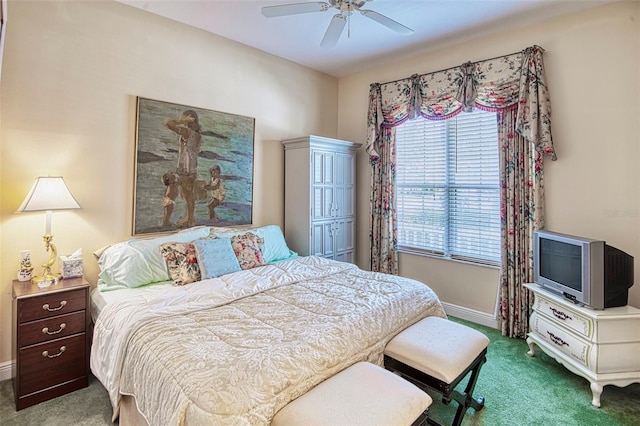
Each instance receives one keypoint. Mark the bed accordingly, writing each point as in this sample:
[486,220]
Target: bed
[236,348]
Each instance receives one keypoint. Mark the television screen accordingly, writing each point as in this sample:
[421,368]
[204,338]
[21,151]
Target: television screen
[561,262]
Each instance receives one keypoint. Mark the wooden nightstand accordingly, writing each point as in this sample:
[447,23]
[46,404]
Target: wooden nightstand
[51,340]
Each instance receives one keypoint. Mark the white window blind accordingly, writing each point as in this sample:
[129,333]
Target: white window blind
[447,187]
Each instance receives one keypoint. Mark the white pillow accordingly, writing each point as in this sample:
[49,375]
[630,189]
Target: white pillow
[138,262]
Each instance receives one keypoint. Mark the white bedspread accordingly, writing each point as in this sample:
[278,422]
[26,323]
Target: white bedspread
[236,349]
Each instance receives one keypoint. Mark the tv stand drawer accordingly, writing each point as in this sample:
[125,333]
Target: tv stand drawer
[563,340]
[565,316]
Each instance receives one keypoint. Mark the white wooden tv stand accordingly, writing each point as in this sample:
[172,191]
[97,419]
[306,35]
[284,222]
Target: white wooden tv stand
[601,346]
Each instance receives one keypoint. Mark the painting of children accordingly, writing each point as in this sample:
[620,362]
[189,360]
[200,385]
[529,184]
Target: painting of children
[193,167]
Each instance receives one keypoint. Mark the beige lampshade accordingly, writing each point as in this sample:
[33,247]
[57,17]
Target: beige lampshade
[48,193]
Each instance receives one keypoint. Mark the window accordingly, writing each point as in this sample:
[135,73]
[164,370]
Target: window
[447,187]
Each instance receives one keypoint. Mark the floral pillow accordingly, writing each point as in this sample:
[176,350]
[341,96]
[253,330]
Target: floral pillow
[182,262]
[247,250]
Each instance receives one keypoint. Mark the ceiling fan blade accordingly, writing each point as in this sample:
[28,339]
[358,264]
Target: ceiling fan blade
[294,9]
[387,22]
[334,31]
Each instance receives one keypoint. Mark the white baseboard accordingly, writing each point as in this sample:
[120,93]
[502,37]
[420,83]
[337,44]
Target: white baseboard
[6,369]
[467,314]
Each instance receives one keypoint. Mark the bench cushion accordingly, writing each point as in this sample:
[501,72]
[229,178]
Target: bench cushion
[438,347]
[363,394]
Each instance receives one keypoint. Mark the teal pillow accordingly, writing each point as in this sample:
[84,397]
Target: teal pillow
[275,247]
[215,257]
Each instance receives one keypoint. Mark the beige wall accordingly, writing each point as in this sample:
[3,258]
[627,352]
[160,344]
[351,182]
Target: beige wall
[71,72]
[592,63]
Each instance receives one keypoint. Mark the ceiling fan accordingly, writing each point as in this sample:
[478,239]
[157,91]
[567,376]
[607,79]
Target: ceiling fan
[339,20]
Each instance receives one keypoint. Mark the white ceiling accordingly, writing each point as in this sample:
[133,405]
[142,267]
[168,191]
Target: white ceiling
[297,37]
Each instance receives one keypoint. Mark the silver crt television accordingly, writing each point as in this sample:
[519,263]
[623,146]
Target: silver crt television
[583,270]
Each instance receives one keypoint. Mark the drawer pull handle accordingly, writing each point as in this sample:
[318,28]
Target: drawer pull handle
[46,353]
[47,308]
[555,339]
[560,315]
[46,329]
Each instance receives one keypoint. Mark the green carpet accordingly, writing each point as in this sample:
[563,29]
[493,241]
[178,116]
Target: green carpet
[518,391]
[521,390]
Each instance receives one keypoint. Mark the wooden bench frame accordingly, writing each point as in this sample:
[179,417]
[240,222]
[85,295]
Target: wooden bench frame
[464,399]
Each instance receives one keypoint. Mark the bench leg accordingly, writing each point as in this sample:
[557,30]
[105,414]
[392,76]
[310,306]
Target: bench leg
[422,420]
[464,399]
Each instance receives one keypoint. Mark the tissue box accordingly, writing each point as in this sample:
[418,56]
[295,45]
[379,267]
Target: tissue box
[71,267]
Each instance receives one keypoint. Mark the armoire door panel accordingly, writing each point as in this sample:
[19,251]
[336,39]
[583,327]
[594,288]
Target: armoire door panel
[317,240]
[317,165]
[345,257]
[344,235]
[323,239]
[323,202]
[329,168]
[340,172]
[348,201]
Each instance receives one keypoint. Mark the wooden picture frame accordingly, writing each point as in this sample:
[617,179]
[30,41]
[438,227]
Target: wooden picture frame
[193,166]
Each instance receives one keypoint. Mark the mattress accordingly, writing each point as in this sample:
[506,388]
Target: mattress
[236,349]
[100,299]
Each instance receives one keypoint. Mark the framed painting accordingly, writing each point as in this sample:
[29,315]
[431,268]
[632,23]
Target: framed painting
[192,167]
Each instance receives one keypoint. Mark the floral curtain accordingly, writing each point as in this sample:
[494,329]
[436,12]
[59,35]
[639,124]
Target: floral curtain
[513,85]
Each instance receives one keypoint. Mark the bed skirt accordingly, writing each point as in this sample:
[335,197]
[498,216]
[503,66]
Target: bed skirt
[129,414]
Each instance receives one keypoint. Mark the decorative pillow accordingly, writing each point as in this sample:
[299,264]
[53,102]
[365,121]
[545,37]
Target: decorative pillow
[182,262]
[138,262]
[215,257]
[247,250]
[274,247]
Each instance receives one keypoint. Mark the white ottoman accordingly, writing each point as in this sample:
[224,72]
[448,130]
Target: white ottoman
[363,394]
[439,353]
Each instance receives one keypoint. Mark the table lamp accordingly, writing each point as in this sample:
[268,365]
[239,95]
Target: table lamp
[48,194]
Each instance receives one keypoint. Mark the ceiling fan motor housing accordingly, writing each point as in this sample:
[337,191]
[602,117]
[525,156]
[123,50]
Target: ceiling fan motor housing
[338,22]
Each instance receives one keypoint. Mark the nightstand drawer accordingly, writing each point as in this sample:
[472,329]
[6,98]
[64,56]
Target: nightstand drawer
[51,304]
[52,363]
[51,328]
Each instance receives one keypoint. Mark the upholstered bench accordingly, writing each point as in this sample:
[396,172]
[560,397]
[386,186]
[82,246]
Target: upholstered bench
[363,394]
[439,353]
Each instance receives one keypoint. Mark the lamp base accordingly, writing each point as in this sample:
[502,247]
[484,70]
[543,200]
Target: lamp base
[46,280]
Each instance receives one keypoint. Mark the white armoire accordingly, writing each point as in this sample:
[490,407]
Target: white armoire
[319,197]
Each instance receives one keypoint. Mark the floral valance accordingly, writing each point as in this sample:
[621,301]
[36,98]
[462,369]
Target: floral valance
[515,81]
